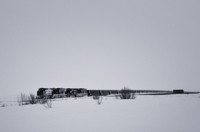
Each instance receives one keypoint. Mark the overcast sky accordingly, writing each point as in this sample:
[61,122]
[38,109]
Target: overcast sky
[108,44]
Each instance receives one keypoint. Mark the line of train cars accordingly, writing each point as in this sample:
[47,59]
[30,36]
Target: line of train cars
[72,92]
[81,92]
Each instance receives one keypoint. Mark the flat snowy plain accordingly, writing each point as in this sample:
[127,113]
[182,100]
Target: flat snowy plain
[166,113]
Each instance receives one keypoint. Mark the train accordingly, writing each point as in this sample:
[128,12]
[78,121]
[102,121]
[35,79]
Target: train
[81,92]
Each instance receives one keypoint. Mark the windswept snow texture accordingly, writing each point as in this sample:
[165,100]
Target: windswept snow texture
[170,113]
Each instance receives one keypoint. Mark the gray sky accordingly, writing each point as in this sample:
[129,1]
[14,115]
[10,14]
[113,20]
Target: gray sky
[107,44]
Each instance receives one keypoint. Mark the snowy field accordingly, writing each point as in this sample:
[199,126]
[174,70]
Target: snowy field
[168,113]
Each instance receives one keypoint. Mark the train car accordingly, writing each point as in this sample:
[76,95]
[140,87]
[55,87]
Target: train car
[104,92]
[93,92]
[113,91]
[178,91]
[76,92]
[71,92]
[133,91]
[81,92]
[59,93]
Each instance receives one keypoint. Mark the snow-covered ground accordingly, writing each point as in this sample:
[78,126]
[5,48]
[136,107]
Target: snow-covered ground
[167,113]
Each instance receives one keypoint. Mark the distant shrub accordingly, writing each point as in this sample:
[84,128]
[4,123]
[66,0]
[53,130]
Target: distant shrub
[42,101]
[98,99]
[47,103]
[132,96]
[24,99]
[32,99]
[125,93]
